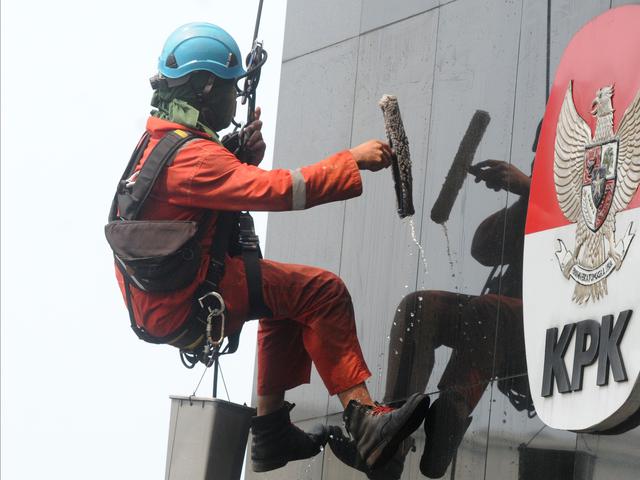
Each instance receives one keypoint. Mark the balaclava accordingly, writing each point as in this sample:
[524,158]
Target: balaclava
[187,105]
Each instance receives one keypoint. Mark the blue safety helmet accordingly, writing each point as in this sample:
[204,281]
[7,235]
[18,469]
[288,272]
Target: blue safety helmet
[200,46]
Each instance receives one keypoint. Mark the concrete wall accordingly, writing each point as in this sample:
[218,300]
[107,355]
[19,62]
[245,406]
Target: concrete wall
[443,60]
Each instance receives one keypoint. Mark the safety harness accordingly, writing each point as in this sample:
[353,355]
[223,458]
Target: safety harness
[234,235]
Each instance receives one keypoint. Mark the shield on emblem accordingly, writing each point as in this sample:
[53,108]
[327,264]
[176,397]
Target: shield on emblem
[599,182]
[597,186]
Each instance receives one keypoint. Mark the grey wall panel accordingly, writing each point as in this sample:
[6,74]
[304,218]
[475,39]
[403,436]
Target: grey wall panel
[313,25]
[567,17]
[377,12]
[378,256]
[314,121]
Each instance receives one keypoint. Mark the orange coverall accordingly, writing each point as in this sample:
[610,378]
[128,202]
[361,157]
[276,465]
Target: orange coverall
[313,317]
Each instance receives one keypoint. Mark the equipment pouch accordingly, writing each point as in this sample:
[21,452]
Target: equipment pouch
[156,256]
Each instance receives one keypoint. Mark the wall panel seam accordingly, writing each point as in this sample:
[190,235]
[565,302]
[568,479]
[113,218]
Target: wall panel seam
[428,145]
[360,34]
[504,229]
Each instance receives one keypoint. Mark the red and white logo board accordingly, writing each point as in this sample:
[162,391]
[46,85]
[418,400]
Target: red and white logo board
[581,287]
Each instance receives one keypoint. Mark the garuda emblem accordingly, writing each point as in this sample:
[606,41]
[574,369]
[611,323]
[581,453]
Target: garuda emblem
[595,179]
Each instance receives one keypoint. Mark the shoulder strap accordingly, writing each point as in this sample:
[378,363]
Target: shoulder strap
[130,199]
[128,171]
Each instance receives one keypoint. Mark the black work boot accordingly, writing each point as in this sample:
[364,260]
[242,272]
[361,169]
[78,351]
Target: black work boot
[345,450]
[277,441]
[444,426]
[379,431]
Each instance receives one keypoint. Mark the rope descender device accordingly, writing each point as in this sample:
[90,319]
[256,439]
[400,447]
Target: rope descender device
[257,57]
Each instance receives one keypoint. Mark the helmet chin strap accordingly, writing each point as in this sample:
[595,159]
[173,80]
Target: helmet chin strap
[208,88]
[204,97]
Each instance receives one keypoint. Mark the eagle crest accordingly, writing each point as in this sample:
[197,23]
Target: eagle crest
[595,178]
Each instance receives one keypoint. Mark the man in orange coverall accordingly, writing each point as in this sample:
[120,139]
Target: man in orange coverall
[312,315]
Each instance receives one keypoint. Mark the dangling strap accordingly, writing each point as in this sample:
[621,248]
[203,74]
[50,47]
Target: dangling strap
[249,248]
[128,171]
[251,256]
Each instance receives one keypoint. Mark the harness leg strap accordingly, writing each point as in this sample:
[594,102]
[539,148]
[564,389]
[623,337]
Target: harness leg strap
[251,256]
[257,306]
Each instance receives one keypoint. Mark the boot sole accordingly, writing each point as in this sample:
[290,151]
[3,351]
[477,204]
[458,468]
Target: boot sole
[260,467]
[385,450]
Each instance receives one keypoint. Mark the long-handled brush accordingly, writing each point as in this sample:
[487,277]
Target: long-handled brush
[460,167]
[401,161]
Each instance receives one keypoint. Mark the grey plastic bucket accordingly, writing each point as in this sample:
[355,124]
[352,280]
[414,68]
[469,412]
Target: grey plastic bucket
[207,439]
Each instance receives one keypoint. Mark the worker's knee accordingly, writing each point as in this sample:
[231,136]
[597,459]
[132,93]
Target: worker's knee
[417,303]
[332,283]
[409,311]
[332,293]
[410,302]
[482,307]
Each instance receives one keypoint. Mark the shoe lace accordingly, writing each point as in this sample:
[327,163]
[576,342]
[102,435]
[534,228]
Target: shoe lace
[381,409]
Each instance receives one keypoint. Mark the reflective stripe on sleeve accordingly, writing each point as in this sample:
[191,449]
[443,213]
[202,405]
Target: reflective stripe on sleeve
[298,190]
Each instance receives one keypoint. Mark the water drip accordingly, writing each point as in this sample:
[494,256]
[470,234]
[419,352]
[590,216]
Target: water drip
[420,249]
[446,236]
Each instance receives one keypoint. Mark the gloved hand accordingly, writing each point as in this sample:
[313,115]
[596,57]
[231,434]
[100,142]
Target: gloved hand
[500,175]
[373,155]
[254,145]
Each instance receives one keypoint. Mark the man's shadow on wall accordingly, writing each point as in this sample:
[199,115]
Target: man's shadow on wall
[484,332]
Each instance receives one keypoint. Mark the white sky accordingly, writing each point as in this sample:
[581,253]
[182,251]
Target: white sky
[82,397]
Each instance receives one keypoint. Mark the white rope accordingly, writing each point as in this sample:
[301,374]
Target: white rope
[206,367]
[223,382]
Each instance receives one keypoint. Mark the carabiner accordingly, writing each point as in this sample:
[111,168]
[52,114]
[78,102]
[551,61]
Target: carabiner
[217,311]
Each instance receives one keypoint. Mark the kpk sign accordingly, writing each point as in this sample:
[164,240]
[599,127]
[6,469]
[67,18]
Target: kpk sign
[582,258]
